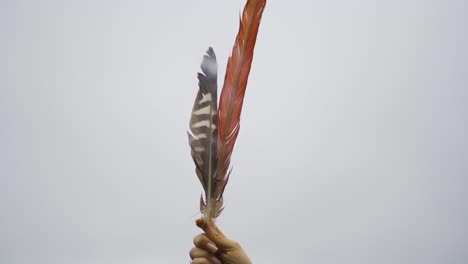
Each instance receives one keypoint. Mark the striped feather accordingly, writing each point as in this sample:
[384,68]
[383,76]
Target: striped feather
[211,145]
[203,127]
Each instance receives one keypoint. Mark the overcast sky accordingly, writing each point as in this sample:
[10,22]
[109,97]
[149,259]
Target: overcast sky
[353,145]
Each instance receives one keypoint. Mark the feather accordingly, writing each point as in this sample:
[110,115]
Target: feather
[235,83]
[213,133]
[203,127]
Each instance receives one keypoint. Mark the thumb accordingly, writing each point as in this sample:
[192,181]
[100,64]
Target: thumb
[215,235]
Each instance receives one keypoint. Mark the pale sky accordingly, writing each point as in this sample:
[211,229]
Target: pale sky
[353,145]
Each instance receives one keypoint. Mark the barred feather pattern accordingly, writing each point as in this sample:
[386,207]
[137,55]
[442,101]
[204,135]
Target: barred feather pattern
[213,133]
[203,131]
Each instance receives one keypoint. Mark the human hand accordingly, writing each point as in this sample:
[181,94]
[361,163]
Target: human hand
[213,247]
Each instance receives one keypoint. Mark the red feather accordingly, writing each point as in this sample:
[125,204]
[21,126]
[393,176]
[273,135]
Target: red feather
[235,83]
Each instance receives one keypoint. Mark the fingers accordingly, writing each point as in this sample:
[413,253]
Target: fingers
[205,261]
[202,241]
[200,223]
[203,256]
[200,261]
[214,234]
[204,251]
[199,253]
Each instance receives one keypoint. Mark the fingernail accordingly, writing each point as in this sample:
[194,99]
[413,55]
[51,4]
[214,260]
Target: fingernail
[211,247]
[215,260]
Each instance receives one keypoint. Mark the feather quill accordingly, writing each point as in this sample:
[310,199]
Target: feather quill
[223,131]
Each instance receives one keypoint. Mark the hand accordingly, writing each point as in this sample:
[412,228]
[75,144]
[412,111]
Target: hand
[213,247]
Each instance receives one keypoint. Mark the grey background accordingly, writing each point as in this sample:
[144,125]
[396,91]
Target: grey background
[352,149]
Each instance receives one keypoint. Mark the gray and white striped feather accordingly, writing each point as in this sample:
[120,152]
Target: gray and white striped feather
[203,133]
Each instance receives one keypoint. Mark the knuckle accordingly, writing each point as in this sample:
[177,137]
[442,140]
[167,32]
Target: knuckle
[198,239]
[235,244]
[192,253]
[218,236]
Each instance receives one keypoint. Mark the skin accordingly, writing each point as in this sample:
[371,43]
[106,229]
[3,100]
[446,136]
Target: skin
[213,247]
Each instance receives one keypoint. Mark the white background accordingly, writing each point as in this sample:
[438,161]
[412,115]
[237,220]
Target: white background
[353,145]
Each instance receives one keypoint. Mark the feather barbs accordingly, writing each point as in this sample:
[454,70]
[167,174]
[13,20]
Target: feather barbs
[213,131]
